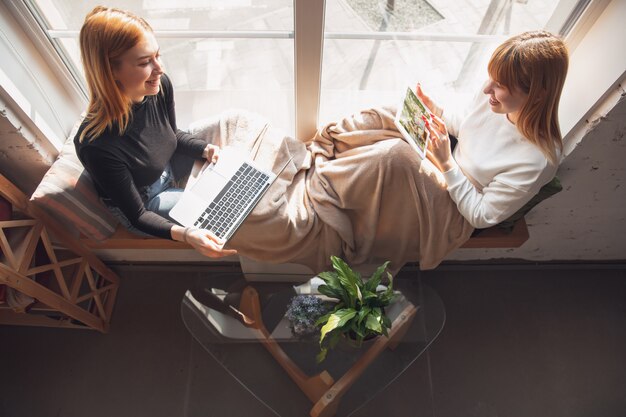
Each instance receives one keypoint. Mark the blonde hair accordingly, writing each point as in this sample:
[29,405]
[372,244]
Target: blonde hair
[105,36]
[535,63]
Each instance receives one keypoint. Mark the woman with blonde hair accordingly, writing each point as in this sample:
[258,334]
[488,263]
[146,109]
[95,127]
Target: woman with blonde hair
[129,135]
[510,143]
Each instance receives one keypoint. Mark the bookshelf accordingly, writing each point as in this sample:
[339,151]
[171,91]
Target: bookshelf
[70,286]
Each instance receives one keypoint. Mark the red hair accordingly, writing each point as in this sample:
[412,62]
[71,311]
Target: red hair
[105,36]
[535,63]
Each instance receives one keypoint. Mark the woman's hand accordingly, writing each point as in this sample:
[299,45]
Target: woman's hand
[211,153]
[432,106]
[208,244]
[203,241]
[438,150]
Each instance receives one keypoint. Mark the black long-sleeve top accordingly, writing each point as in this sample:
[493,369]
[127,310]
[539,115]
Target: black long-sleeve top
[120,165]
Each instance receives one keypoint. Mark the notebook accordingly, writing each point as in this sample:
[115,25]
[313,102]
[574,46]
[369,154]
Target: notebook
[409,122]
[223,194]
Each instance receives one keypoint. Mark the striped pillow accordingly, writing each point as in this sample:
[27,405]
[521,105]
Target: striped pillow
[67,194]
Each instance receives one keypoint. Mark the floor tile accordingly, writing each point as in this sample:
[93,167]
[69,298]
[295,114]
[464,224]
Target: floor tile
[531,343]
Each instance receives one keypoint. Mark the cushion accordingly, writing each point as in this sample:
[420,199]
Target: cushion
[68,195]
[546,191]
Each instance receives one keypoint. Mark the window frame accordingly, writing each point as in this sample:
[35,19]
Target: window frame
[309,36]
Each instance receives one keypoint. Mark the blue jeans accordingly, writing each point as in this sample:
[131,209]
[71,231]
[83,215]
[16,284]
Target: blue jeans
[160,198]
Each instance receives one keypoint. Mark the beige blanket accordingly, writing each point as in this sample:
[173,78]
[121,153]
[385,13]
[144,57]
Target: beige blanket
[356,190]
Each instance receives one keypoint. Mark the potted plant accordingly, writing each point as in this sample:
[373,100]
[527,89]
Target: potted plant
[359,312]
[303,312]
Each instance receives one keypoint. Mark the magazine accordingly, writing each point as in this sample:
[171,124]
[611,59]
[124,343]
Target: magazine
[410,123]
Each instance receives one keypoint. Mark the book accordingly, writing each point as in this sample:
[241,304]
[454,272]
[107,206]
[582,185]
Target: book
[410,121]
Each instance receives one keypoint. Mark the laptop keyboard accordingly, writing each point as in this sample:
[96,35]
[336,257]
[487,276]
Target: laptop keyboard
[240,191]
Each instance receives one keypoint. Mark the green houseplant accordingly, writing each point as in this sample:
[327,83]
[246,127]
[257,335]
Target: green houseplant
[359,312]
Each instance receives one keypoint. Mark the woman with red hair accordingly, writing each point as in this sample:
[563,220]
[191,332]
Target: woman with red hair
[510,143]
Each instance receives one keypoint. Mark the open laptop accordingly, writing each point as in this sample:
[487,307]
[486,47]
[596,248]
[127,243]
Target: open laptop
[223,194]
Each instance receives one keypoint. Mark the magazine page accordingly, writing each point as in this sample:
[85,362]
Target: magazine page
[410,121]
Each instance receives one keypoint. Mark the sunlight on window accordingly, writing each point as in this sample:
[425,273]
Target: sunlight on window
[373,49]
[209,74]
[359,73]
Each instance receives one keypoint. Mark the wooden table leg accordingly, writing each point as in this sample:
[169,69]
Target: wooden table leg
[313,387]
[404,322]
[329,403]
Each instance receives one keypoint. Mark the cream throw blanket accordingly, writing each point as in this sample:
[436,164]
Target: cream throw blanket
[356,190]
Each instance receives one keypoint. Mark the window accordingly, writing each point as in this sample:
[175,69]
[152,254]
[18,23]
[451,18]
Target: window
[219,54]
[241,53]
[373,49]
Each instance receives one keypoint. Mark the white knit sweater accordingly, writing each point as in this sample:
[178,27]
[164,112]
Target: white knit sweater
[496,170]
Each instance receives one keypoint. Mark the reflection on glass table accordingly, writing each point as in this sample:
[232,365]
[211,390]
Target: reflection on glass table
[245,329]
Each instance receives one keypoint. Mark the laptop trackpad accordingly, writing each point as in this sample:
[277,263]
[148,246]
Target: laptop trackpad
[188,208]
[208,185]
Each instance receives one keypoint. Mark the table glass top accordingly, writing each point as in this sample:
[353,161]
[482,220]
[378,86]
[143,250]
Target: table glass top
[281,369]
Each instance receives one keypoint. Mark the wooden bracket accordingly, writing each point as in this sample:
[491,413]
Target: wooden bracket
[321,389]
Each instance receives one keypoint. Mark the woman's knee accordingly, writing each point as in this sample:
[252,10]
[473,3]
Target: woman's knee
[397,151]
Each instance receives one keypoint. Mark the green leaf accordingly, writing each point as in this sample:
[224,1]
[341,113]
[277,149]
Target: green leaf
[336,320]
[363,313]
[386,322]
[359,295]
[323,319]
[373,323]
[376,277]
[333,339]
[331,292]
[390,286]
[359,331]
[387,296]
[330,278]
[321,355]
[368,297]
[343,270]
[385,331]
[348,278]
[333,287]
[326,275]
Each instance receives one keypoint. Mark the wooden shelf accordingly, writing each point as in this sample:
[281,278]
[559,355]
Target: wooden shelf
[38,258]
[123,239]
[493,237]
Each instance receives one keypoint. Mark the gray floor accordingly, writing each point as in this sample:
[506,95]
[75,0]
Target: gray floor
[519,341]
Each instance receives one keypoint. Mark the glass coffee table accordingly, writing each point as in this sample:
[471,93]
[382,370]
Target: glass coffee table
[242,325]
